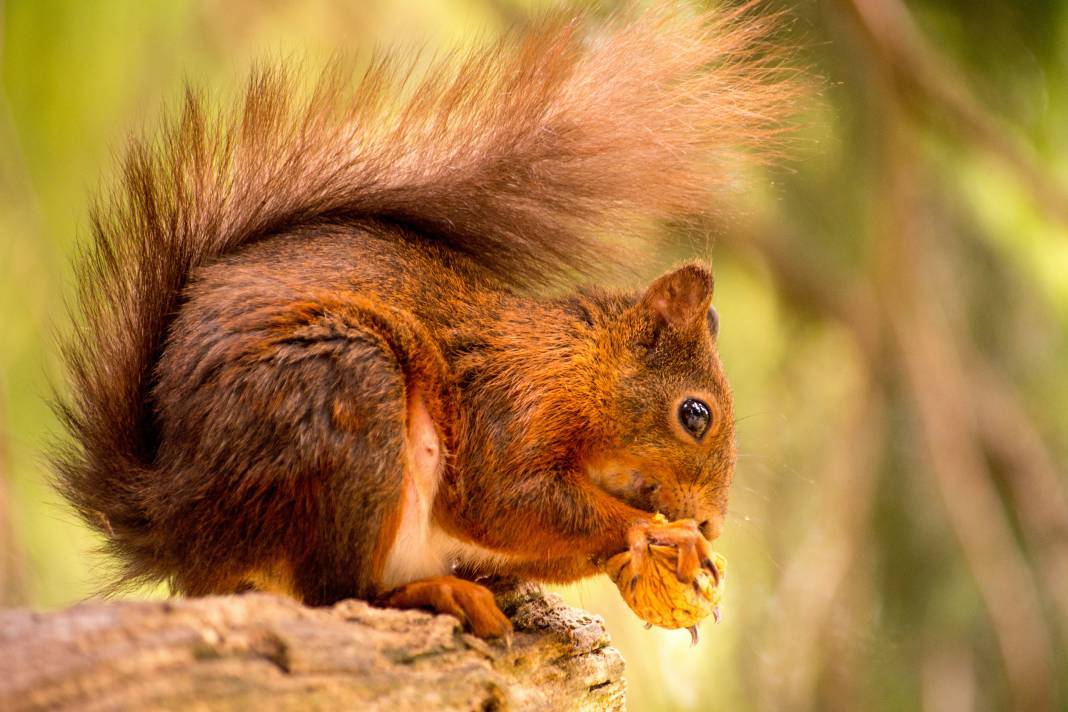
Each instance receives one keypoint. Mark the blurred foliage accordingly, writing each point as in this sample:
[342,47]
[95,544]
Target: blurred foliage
[894,301]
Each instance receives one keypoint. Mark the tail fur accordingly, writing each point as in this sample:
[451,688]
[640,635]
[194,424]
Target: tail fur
[517,154]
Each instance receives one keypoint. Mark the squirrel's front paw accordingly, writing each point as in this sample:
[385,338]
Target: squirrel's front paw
[471,603]
[694,550]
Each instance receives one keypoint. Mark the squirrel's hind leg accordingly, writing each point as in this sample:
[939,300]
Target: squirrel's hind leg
[335,410]
[382,458]
[412,460]
[286,458]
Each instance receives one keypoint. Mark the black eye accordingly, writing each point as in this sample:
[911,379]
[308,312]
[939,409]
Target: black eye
[695,416]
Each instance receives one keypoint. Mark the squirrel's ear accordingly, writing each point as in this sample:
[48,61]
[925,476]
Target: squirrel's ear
[681,298]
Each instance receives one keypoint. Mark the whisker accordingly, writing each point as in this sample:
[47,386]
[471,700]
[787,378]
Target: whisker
[762,495]
[751,415]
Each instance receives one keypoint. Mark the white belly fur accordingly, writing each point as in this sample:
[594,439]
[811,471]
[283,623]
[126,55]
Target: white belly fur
[420,548]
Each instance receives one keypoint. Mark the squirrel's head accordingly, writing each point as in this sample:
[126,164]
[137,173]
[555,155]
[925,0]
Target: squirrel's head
[672,448]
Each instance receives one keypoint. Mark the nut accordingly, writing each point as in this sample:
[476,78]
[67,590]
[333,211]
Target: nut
[658,597]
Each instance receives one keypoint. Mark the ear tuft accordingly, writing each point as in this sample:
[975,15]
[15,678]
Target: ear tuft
[681,298]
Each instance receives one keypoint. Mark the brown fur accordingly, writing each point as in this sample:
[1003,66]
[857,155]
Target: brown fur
[269,288]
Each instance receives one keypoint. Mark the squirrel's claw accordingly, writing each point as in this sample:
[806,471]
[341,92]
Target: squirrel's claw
[694,550]
[639,544]
[710,566]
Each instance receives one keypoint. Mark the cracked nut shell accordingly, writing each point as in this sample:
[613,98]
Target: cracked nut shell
[658,597]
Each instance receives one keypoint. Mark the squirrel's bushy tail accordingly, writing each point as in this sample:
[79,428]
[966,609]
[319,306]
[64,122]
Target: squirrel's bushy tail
[516,154]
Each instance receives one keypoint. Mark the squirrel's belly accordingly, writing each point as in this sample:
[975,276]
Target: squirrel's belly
[410,557]
[427,550]
[420,548]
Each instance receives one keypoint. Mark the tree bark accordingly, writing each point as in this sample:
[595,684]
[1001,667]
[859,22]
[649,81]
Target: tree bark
[263,652]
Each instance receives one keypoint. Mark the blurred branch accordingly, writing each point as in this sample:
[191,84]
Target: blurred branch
[810,586]
[943,392]
[1033,477]
[945,401]
[808,284]
[942,399]
[889,28]
[954,407]
[1003,422]
[948,678]
[977,512]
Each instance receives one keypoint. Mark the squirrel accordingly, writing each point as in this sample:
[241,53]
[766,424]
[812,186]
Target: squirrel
[329,343]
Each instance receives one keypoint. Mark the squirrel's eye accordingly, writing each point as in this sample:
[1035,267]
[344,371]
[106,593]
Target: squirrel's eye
[695,416]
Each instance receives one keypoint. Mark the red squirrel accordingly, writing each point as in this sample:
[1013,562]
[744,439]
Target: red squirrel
[329,343]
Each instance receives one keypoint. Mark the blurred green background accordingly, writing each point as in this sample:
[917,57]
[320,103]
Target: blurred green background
[894,300]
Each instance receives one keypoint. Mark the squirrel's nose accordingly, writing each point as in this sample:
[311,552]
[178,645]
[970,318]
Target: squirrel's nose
[712,527]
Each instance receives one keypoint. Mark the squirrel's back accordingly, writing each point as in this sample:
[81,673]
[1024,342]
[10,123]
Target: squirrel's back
[515,156]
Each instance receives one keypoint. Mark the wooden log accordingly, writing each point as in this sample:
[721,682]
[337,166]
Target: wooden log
[262,652]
